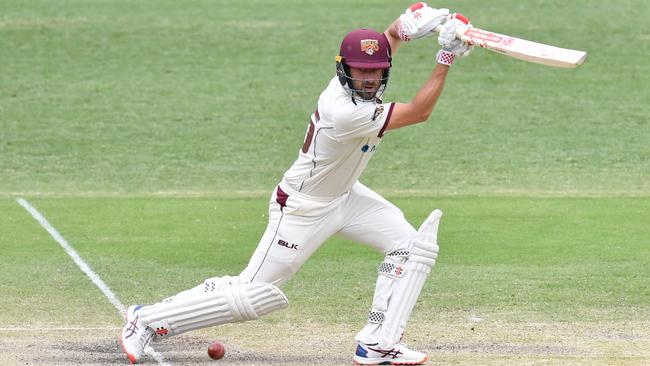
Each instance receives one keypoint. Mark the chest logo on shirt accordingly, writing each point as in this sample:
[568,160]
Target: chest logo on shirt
[378,111]
[365,148]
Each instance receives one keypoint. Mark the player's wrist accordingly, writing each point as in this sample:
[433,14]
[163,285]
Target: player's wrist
[445,57]
[401,34]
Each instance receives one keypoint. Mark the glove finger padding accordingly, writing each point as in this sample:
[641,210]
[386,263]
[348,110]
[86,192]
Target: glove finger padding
[456,23]
[419,20]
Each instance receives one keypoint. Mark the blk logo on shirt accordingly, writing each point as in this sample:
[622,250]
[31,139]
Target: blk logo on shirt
[286,244]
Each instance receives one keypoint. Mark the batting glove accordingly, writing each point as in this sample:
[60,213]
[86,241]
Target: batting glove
[419,20]
[452,46]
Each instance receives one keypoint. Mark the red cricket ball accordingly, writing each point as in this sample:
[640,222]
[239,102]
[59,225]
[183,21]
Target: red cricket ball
[216,350]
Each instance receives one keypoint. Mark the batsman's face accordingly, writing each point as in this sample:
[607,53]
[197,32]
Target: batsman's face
[366,82]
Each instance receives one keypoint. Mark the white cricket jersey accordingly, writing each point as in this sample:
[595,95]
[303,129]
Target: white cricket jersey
[341,138]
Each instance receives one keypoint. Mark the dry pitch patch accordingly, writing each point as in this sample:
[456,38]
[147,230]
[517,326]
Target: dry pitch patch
[262,343]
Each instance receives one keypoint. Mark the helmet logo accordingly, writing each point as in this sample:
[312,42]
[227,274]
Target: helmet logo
[369,46]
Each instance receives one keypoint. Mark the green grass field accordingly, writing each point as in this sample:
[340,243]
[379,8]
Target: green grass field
[151,134]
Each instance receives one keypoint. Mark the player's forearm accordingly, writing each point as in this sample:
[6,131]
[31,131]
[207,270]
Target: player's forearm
[392,34]
[420,108]
[427,96]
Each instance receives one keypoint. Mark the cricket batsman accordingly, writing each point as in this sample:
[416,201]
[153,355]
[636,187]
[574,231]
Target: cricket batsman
[320,195]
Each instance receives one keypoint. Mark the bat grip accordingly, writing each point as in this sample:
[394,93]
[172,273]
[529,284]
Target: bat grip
[438,29]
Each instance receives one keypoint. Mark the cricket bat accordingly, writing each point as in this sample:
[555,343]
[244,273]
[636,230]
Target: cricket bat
[522,49]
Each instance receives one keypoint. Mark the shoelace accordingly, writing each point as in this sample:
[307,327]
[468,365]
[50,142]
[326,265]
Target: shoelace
[146,337]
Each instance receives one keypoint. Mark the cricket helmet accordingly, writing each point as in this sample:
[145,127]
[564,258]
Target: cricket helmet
[363,49]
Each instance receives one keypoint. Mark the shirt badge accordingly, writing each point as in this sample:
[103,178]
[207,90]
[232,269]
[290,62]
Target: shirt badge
[378,111]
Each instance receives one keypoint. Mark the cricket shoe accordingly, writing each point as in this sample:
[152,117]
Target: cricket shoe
[372,354]
[135,336]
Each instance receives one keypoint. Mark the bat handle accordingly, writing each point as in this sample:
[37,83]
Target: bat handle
[438,29]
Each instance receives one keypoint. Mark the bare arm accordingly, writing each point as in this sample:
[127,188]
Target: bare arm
[419,109]
[392,33]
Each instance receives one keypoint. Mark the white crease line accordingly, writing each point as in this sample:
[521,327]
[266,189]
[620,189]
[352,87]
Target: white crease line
[85,268]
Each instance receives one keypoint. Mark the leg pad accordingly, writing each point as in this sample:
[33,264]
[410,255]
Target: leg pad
[219,303]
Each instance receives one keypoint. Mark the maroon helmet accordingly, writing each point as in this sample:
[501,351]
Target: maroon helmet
[363,49]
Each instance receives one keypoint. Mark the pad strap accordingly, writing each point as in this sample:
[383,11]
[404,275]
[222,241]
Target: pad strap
[391,269]
[375,317]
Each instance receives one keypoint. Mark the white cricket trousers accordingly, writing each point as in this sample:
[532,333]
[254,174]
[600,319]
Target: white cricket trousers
[299,224]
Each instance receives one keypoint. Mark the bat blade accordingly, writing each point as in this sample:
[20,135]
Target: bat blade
[523,49]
